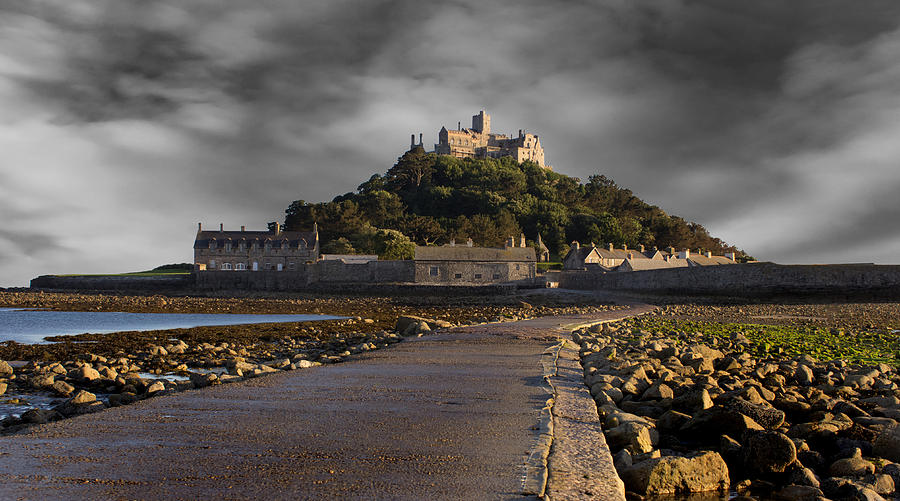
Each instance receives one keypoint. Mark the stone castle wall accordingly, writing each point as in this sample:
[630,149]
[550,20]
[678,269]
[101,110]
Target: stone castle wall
[117,283]
[746,280]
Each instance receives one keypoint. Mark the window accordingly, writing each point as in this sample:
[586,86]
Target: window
[496,276]
[292,266]
[433,271]
[212,264]
[478,275]
[240,266]
[268,266]
[458,275]
[227,246]
[517,267]
[255,266]
[280,267]
[226,266]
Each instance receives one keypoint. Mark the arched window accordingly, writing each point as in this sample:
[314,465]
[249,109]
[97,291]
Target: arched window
[240,267]
[226,266]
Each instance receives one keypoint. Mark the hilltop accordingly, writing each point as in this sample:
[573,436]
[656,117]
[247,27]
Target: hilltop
[428,199]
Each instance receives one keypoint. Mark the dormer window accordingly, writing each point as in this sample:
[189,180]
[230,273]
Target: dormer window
[227,246]
[212,243]
[284,245]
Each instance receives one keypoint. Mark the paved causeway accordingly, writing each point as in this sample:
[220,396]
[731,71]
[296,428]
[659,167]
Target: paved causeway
[447,416]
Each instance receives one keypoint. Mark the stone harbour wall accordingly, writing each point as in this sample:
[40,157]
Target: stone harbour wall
[113,282]
[752,279]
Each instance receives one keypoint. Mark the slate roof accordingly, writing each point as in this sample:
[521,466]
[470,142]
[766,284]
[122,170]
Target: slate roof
[701,260]
[483,254]
[653,264]
[293,237]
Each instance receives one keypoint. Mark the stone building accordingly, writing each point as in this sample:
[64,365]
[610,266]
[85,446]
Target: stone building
[480,142]
[467,264]
[640,259]
[272,250]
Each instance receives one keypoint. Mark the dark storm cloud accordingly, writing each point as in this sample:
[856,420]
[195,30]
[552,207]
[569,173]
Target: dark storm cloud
[722,112]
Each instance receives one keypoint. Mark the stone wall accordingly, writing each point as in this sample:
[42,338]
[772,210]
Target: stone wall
[106,283]
[309,276]
[755,279]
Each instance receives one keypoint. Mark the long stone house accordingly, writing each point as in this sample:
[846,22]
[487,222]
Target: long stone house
[272,250]
[467,264]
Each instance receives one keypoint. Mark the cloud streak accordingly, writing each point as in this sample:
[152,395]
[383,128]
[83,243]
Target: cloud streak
[127,121]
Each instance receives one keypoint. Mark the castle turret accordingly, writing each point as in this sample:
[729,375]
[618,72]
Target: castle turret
[482,122]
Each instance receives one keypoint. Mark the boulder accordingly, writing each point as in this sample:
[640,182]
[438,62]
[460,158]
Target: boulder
[83,397]
[766,416]
[768,452]
[86,374]
[693,401]
[62,388]
[156,387]
[635,437]
[39,416]
[5,369]
[798,493]
[708,425]
[887,445]
[851,467]
[673,475]
[3,387]
[672,421]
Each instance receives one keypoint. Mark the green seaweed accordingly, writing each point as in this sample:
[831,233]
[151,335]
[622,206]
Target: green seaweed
[786,341]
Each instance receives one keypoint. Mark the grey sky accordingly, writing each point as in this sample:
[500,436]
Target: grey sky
[125,122]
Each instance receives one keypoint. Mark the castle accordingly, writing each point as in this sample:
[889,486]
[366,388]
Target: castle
[479,142]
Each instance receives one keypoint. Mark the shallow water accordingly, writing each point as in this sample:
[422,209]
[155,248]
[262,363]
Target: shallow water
[29,326]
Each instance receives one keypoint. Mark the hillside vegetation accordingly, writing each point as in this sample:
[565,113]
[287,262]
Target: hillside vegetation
[428,199]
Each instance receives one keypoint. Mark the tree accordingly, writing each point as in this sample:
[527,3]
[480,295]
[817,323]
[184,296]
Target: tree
[338,246]
[391,244]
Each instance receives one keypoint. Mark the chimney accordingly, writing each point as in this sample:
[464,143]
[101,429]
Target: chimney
[576,245]
[610,246]
[221,227]
[707,254]
[671,250]
[412,141]
[685,254]
[469,242]
[522,240]
[277,228]
[199,226]
[458,125]
[452,242]
[630,255]
[520,134]
[421,143]
[243,228]
[731,256]
[642,249]
[625,247]
[510,242]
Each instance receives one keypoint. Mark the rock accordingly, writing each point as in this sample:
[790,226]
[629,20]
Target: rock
[881,483]
[62,388]
[203,380]
[5,369]
[407,324]
[851,467]
[657,392]
[156,387]
[39,416]
[887,445]
[622,460]
[2,388]
[673,475]
[672,421]
[304,364]
[766,416]
[83,397]
[709,424]
[892,469]
[635,437]
[43,381]
[804,375]
[801,475]
[768,452]
[798,493]
[844,489]
[693,401]
[86,374]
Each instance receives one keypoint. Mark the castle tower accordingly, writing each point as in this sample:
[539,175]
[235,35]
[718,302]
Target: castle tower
[482,122]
